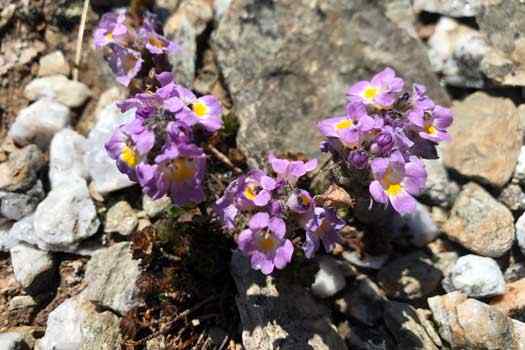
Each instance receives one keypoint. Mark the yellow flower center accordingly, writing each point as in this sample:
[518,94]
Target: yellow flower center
[200,109]
[129,156]
[249,192]
[370,92]
[181,169]
[109,36]
[430,129]
[394,189]
[344,124]
[304,200]
[267,243]
[156,42]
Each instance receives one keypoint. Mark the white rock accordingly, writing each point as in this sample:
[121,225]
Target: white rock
[456,51]
[154,207]
[476,276]
[520,232]
[20,229]
[519,173]
[12,341]
[329,279]
[76,325]
[33,268]
[454,8]
[102,169]
[121,218]
[66,217]
[39,122]
[53,63]
[419,224]
[68,92]
[66,157]
[219,8]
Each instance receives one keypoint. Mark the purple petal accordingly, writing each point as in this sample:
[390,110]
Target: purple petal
[377,192]
[259,221]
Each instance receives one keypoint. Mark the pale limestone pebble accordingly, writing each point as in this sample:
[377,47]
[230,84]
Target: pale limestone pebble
[18,338]
[39,122]
[154,207]
[453,8]
[21,302]
[34,269]
[418,226]
[439,188]
[59,88]
[520,233]
[121,218]
[329,280]
[53,63]
[512,303]
[67,157]
[17,205]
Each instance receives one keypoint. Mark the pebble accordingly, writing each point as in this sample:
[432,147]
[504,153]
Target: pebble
[154,208]
[329,280]
[53,63]
[374,262]
[102,169]
[66,157]
[475,276]
[519,172]
[115,264]
[439,189]
[513,197]
[410,277]
[34,269]
[13,341]
[6,240]
[21,302]
[20,171]
[121,218]
[520,233]
[16,205]
[418,226]
[453,8]
[66,217]
[39,122]
[480,223]
[512,303]
[67,92]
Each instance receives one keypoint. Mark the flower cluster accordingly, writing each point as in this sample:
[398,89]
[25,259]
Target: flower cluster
[388,132]
[127,43]
[267,210]
[159,149]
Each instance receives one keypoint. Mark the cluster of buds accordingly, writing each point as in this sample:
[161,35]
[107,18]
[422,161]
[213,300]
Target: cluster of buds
[159,148]
[268,211]
[387,132]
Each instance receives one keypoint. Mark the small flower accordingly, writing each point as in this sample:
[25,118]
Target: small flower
[432,125]
[381,91]
[129,145]
[255,189]
[358,159]
[323,226]
[265,244]
[396,181]
[125,63]
[300,201]
[112,29]
[225,207]
[157,44]
[205,110]
[178,171]
[291,170]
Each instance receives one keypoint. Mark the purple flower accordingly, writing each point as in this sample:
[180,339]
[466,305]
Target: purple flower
[205,110]
[396,181]
[112,29]
[225,207]
[178,171]
[125,63]
[255,189]
[358,159]
[322,226]
[381,91]
[300,201]
[155,43]
[129,145]
[291,170]
[432,125]
[265,244]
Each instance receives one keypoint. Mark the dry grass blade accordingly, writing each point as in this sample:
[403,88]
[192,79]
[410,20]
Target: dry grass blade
[80,39]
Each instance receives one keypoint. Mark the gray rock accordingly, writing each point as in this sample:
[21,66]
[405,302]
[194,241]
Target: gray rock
[405,324]
[514,272]
[456,51]
[471,325]
[280,314]
[21,302]
[184,27]
[480,223]
[66,157]
[502,23]
[67,92]
[439,189]
[22,229]
[485,128]
[519,172]
[20,171]
[279,100]
[111,277]
[365,260]
[410,277]
[53,63]
[34,269]
[453,8]
[475,276]
[121,218]
[363,301]
[66,217]
[418,226]
[6,240]
[39,122]
[154,208]
[520,232]
[513,197]
[13,341]
[102,169]
[329,280]
[16,205]
[77,325]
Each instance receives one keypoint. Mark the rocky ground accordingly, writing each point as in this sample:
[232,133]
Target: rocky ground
[88,262]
